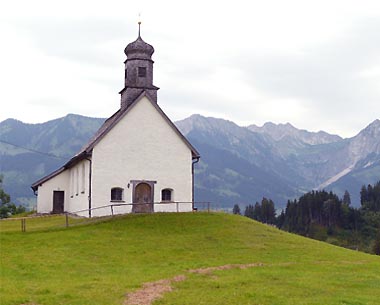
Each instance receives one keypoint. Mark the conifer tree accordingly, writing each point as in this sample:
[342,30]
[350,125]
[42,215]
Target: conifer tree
[257,213]
[346,198]
[268,213]
[6,207]
[376,246]
[249,211]
[236,209]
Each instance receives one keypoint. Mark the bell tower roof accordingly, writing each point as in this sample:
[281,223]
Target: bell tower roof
[139,48]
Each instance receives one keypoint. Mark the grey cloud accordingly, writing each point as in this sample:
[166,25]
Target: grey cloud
[327,75]
[77,39]
[326,79]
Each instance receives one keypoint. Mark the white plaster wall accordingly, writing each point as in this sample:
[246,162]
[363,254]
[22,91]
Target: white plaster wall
[79,188]
[72,183]
[173,207]
[45,192]
[142,146]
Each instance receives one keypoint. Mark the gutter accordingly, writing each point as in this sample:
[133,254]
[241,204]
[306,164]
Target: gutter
[89,187]
[192,177]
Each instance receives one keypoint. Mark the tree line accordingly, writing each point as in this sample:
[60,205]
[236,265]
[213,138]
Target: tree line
[7,208]
[323,215]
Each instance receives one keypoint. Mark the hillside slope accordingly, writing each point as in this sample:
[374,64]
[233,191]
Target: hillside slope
[251,264]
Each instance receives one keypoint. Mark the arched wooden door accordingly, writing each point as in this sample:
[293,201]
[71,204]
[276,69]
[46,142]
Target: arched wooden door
[142,198]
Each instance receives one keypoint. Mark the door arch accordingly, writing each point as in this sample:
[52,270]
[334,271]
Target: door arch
[142,198]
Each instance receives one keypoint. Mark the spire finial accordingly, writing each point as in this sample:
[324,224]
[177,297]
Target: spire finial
[139,23]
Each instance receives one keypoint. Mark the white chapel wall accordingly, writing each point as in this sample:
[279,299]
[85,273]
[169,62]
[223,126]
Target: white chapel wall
[74,182]
[45,192]
[142,146]
[79,188]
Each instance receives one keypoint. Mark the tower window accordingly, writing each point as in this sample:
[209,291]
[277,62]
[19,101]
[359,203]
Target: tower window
[117,194]
[142,71]
[166,195]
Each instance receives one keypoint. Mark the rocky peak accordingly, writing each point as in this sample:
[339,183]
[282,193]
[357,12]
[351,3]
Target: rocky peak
[279,132]
[197,121]
[367,141]
[372,130]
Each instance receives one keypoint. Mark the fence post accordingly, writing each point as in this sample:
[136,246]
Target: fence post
[67,220]
[112,209]
[23,225]
[177,206]
[208,207]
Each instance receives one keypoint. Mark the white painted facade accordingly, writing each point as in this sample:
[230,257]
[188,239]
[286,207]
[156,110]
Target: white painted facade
[75,184]
[141,146]
[60,182]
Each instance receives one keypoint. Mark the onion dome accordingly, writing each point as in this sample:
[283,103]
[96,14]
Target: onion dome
[139,49]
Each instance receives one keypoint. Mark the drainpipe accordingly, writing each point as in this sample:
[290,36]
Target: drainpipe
[192,177]
[89,187]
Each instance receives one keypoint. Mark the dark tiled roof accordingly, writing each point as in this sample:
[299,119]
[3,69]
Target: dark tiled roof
[42,180]
[139,47]
[107,125]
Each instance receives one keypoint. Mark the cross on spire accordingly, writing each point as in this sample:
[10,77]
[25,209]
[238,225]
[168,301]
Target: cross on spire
[139,23]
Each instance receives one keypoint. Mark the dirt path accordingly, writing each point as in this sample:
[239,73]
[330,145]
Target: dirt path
[152,291]
[208,270]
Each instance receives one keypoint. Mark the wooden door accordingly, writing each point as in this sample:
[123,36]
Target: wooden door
[58,202]
[143,199]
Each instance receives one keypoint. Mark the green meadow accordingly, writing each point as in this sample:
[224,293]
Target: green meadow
[101,262]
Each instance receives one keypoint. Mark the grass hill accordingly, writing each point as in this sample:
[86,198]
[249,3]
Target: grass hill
[197,258]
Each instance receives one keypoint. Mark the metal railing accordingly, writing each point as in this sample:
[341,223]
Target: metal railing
[62,220]
[200,205]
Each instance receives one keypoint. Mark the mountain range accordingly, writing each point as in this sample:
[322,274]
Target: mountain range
[31,151]
[238,164]
[244,164]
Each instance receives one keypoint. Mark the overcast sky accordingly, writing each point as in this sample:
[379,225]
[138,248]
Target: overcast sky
[315,64]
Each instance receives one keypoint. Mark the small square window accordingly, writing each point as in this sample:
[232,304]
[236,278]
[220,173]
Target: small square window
[142,71]
[117,194]
[166,195]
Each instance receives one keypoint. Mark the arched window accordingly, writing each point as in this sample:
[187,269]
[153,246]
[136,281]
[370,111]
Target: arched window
[117,194]
[166,195]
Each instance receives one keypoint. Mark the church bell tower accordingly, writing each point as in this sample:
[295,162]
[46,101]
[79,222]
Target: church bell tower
[138,72]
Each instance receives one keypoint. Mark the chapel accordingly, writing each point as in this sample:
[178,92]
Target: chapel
[137,162]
